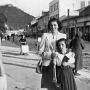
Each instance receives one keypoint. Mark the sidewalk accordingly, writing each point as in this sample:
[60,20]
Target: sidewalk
[82,81]
[11,55]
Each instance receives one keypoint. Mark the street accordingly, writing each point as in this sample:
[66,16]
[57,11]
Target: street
[20,69]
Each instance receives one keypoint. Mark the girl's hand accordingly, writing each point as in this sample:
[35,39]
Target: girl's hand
[58,62]
[53,55]
[65,64]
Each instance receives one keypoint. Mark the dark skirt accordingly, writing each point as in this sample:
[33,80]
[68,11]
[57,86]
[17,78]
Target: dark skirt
[46,81]
[67,79]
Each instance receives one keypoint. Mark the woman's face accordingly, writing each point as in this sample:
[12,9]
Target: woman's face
[54,27]
[62,46]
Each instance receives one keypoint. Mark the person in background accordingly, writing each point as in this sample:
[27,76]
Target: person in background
[46,50]
[22,40]
[1,35]
[64,61]
[77,45]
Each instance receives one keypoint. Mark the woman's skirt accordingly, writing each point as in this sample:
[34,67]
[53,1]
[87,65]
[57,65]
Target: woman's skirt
[3,82]
[46,81]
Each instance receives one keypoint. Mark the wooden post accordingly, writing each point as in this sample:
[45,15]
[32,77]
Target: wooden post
[68,27]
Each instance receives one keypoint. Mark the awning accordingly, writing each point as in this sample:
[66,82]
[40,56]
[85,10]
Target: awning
[79,24]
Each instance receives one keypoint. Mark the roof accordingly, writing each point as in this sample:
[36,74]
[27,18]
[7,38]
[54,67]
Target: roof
[82,9]
[34,21]
[46,14]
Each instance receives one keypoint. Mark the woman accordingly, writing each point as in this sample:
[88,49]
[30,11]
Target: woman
[64,62]
[77,45]
[47,46]
[22,40]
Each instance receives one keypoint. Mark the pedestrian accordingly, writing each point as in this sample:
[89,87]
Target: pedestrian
[22,43]
[3,79]
[77,45]
[22,40]
[13,35]
[1,35]
[47,46]
[64,61]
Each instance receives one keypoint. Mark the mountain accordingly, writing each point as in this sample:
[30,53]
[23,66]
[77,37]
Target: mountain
[16,18]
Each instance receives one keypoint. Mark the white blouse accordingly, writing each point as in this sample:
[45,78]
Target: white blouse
[47,46]
[70,55]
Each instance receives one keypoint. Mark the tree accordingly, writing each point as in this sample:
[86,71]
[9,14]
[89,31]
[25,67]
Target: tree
[3,20]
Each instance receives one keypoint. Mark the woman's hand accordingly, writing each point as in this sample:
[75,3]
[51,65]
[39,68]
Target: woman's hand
[72,65]
[54,61]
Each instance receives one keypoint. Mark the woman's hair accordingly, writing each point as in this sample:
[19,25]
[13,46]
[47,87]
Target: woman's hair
[58,22]
[57,42]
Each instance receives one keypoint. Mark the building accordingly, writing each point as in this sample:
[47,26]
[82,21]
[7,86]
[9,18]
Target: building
[34,30]
[54,9]
[43,22]
[79,23]
[40,24]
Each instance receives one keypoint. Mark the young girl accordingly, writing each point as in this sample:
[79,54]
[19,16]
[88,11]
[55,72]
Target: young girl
[64,61]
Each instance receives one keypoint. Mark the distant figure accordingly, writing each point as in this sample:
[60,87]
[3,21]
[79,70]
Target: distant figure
[77,45]
[22,40]
[1,35]
[13,36]
[8,37]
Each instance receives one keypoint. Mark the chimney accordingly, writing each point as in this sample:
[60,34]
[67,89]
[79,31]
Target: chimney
[88,3]
[82,4]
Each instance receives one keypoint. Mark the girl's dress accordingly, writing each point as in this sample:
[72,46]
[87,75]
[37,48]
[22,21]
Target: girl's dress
[65,75]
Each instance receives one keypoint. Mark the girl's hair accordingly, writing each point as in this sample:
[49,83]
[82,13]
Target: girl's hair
[58,22]
[57,42]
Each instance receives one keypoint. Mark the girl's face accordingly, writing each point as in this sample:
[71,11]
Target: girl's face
[54,27]
[62,46]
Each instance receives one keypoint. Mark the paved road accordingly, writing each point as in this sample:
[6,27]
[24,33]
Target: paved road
[21,73]
[20,69]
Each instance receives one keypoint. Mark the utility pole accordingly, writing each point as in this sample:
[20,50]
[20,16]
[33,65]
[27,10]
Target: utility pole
[68,26]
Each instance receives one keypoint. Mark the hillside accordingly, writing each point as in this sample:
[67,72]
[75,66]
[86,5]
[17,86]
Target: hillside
[16,18]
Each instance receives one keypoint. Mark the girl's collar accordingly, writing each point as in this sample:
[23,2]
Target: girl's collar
[67,51]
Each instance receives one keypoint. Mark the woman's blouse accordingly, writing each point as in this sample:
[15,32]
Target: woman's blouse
[47,45]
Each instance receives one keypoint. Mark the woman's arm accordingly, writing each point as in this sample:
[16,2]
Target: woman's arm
[82,43]
[42,44]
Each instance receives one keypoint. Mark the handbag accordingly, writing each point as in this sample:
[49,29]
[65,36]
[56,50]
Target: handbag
[39,67]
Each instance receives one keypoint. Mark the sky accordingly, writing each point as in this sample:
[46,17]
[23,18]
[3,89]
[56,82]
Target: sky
[35,7]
